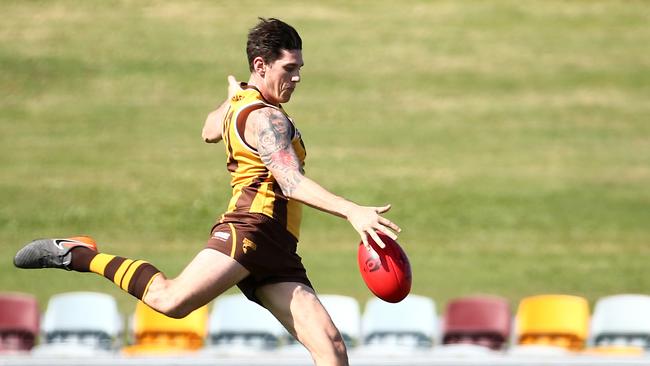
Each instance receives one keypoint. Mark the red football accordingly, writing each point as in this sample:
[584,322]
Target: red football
[387,271]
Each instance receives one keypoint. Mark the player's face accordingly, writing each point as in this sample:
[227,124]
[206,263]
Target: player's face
[282,76]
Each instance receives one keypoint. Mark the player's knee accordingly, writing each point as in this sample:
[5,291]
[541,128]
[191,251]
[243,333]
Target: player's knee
[173,309]
[340,351]
[166,302]
[178,312]
[335,354]
[338,357]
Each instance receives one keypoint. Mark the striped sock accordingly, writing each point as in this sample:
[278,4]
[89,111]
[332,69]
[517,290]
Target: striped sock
[132,276]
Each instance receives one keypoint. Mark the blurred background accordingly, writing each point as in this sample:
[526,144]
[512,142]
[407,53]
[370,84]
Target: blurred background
[512,138]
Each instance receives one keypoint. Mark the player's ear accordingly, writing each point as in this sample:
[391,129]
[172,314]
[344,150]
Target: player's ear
[259,66]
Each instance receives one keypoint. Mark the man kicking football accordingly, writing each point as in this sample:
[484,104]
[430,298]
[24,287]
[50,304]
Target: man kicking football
[253,244]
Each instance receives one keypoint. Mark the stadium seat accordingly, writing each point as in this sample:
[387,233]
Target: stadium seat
[553,320]
[478,320]
[238,324]
[155,333]
[621,322]
[19,322]
[346,315]
[411,323]
[77,322]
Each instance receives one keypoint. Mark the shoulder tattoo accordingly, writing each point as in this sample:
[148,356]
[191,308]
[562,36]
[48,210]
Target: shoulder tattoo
[276,151]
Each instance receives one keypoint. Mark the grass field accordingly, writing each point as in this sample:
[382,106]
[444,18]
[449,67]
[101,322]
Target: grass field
[512,138]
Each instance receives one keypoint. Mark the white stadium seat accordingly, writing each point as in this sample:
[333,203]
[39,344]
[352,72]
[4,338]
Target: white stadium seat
[411,323]
[80,322]
[621,320]
[238,324]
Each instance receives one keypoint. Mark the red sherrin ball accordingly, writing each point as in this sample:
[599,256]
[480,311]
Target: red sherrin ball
[387,271]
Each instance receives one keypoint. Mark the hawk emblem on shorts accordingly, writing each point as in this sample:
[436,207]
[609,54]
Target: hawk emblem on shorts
[247,245]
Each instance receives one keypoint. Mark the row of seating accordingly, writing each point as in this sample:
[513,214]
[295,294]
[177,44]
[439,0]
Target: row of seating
[89,322]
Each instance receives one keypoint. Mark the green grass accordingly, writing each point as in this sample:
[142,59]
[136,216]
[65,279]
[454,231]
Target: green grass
[513,139]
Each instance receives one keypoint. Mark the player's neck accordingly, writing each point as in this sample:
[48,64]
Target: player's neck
[258,82]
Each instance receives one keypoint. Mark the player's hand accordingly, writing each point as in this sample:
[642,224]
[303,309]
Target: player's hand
[233,86]
[212,127]
[367,220]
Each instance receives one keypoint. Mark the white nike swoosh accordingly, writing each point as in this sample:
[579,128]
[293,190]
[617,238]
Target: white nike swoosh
[59,242]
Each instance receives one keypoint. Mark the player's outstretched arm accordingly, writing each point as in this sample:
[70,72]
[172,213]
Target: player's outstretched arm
[213,126]
[273,142]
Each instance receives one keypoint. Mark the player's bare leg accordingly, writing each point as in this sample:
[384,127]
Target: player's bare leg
[207,276]
[299,310]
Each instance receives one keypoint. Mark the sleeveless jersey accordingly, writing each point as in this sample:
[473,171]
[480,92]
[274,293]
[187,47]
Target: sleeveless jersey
[254,189]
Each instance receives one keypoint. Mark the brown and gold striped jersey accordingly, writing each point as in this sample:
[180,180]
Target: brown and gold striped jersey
[254,189]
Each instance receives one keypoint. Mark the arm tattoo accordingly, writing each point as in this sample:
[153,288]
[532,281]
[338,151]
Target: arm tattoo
[276,151]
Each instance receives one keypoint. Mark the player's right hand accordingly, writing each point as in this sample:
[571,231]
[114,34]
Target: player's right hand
[233,86]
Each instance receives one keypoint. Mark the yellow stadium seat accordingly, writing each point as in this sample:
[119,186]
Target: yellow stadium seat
[553,320]
[155,333]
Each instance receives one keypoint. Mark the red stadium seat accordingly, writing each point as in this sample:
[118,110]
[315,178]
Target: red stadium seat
[478,320]
[19,322]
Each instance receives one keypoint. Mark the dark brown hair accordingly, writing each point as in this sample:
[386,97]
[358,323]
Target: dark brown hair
[268,38]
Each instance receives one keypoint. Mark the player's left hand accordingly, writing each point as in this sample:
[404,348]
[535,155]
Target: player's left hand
[367,220]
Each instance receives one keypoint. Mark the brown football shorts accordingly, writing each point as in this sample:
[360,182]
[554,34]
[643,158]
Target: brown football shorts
[260,244]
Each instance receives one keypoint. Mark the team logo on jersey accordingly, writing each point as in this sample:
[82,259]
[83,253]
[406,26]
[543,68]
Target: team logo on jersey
[247,245]
[221,235]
